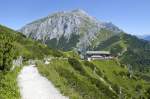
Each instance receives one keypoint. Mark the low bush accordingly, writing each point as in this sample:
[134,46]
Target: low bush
[98,72]
[86,89]
[103,88]
[57,53]
[7,52]
[122,73]
[76,65]
[89,64]
[138,87]
[147,93]
[116,88]
[93,67]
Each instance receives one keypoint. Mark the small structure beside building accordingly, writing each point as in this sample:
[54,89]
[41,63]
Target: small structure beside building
[98,55]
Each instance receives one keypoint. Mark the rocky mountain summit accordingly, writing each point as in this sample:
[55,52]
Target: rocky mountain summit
[67,30]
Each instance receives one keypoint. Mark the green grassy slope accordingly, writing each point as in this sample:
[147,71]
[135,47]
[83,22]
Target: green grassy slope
[27,47]
[79,79]
[121,77]
[129,49]
[12,45]
[8,85]
[103,79]
[103,35]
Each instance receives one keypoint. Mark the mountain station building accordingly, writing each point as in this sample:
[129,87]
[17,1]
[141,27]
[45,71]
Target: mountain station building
[98,55]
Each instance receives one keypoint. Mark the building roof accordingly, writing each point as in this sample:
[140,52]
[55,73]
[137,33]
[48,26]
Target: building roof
[97,52]
[96,56]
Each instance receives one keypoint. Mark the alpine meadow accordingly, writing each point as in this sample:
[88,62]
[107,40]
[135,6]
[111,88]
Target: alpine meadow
[72,54]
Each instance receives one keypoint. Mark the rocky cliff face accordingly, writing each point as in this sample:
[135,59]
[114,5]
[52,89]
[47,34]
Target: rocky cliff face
[67,30]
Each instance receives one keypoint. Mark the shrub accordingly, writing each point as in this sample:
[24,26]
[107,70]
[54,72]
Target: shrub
[116,49]
[93,66]
[98,72]
[80,84]
[57,53]
[7,52]
[105,89]
[138,87]
[148,93]
[89,64]
[114,72]
[122,73]
[76,64]
[116,88]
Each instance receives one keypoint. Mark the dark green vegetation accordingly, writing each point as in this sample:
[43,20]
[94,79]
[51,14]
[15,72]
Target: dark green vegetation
[79,79]
[12,45]
[105,79]
[7,51]
[89,34]
[103,35]
[129,49]
[63,43]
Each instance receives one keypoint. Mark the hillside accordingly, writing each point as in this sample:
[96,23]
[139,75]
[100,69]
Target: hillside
[25,47]
[105,79]
[78,79]
[77,30]
[129,49]
[12,45]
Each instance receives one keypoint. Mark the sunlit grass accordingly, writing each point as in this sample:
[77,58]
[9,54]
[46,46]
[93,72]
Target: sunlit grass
[8,85]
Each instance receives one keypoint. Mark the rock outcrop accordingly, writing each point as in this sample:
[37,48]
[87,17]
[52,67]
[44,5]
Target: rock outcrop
[67,30]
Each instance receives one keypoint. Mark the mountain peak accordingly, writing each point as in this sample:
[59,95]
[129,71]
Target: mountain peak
[70,25]
[79,11]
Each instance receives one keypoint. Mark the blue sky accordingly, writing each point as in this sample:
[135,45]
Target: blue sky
[133,16]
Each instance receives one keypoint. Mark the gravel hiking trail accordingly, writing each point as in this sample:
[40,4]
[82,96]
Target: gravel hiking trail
[34,86]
